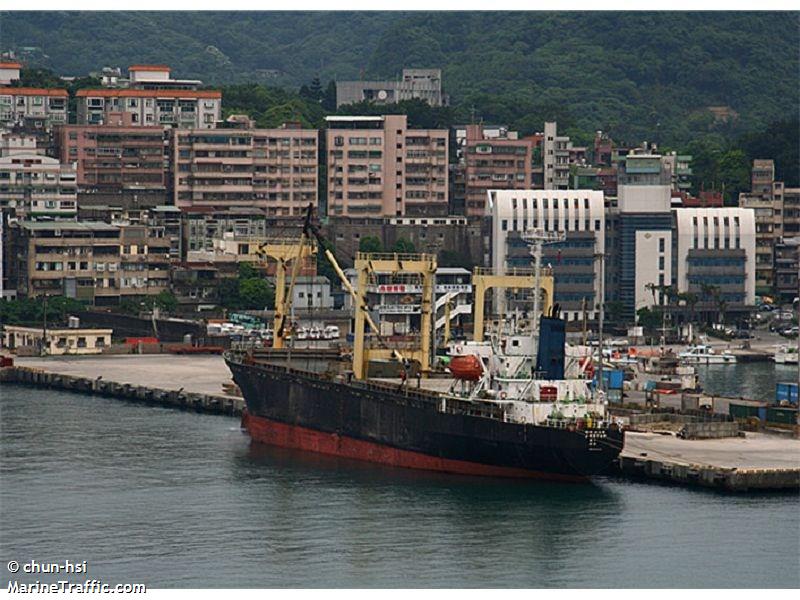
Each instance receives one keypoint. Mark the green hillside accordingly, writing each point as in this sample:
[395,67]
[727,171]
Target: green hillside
[637,75]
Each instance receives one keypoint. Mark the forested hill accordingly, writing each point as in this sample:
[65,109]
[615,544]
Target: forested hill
[639,75]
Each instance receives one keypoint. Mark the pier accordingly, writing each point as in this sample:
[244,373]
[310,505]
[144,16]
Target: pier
[188,382]
[753,461]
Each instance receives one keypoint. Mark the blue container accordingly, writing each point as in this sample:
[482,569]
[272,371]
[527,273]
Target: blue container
[612,379]
[786,391]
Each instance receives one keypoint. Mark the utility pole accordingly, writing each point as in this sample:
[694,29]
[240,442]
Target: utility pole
[600,316]
[44,324]
[583,309]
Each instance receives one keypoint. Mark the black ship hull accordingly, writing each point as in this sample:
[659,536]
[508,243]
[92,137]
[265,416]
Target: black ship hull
[410,428]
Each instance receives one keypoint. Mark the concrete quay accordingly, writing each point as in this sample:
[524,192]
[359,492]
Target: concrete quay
[189,382]
[752,461]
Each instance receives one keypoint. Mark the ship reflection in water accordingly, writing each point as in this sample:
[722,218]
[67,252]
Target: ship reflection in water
[177,499]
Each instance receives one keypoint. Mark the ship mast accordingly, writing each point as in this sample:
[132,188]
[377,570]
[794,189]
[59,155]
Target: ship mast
[536,239]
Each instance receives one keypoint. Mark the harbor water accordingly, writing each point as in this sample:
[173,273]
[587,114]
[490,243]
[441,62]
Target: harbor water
[753,381]
[178,499]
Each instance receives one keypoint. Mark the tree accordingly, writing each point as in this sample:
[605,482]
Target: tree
[228,291]
[453,258]
[166,301]
[324,267]
[734,174]
[403,246]
[329,99]
[247,271]
[614,310]
[30,311]
[255,294]
[370,243]
[648,318]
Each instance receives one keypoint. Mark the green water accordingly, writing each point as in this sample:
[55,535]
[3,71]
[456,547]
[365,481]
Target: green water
[754,381]
[176,499]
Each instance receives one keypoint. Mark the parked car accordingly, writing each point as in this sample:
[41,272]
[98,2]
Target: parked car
[790,332]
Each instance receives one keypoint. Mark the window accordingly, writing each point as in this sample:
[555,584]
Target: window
[505,225]
[661,262]
[661,245]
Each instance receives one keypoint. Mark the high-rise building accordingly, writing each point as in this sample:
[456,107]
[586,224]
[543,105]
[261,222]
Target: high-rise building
[271,169]
[643,223]
[377,166]
[555,158]
[111,158]
[767,199]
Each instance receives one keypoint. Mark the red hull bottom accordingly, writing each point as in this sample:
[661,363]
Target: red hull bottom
[274,433]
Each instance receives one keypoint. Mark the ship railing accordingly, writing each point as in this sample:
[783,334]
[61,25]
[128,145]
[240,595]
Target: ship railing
[571,423]
[455,406]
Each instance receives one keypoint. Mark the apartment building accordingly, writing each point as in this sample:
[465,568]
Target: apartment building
[766,198]
[274,170]
[162,223]
[74,259]
[579,215]
[680,168]
[716,247]
[497,161]
[179,108]
[377,166]
[94,261]
[144,260]
[424,84]
[555,158]
[111,158]
[35,107]
[33,185]
[203,225]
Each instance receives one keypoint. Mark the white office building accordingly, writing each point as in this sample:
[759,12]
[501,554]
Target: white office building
[579,214]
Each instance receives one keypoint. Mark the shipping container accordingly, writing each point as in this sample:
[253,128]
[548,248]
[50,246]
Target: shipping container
[745,411]
[781,416]
[786,392]
[612,379]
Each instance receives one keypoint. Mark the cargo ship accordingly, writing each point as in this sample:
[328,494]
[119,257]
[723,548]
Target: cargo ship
[511,415]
